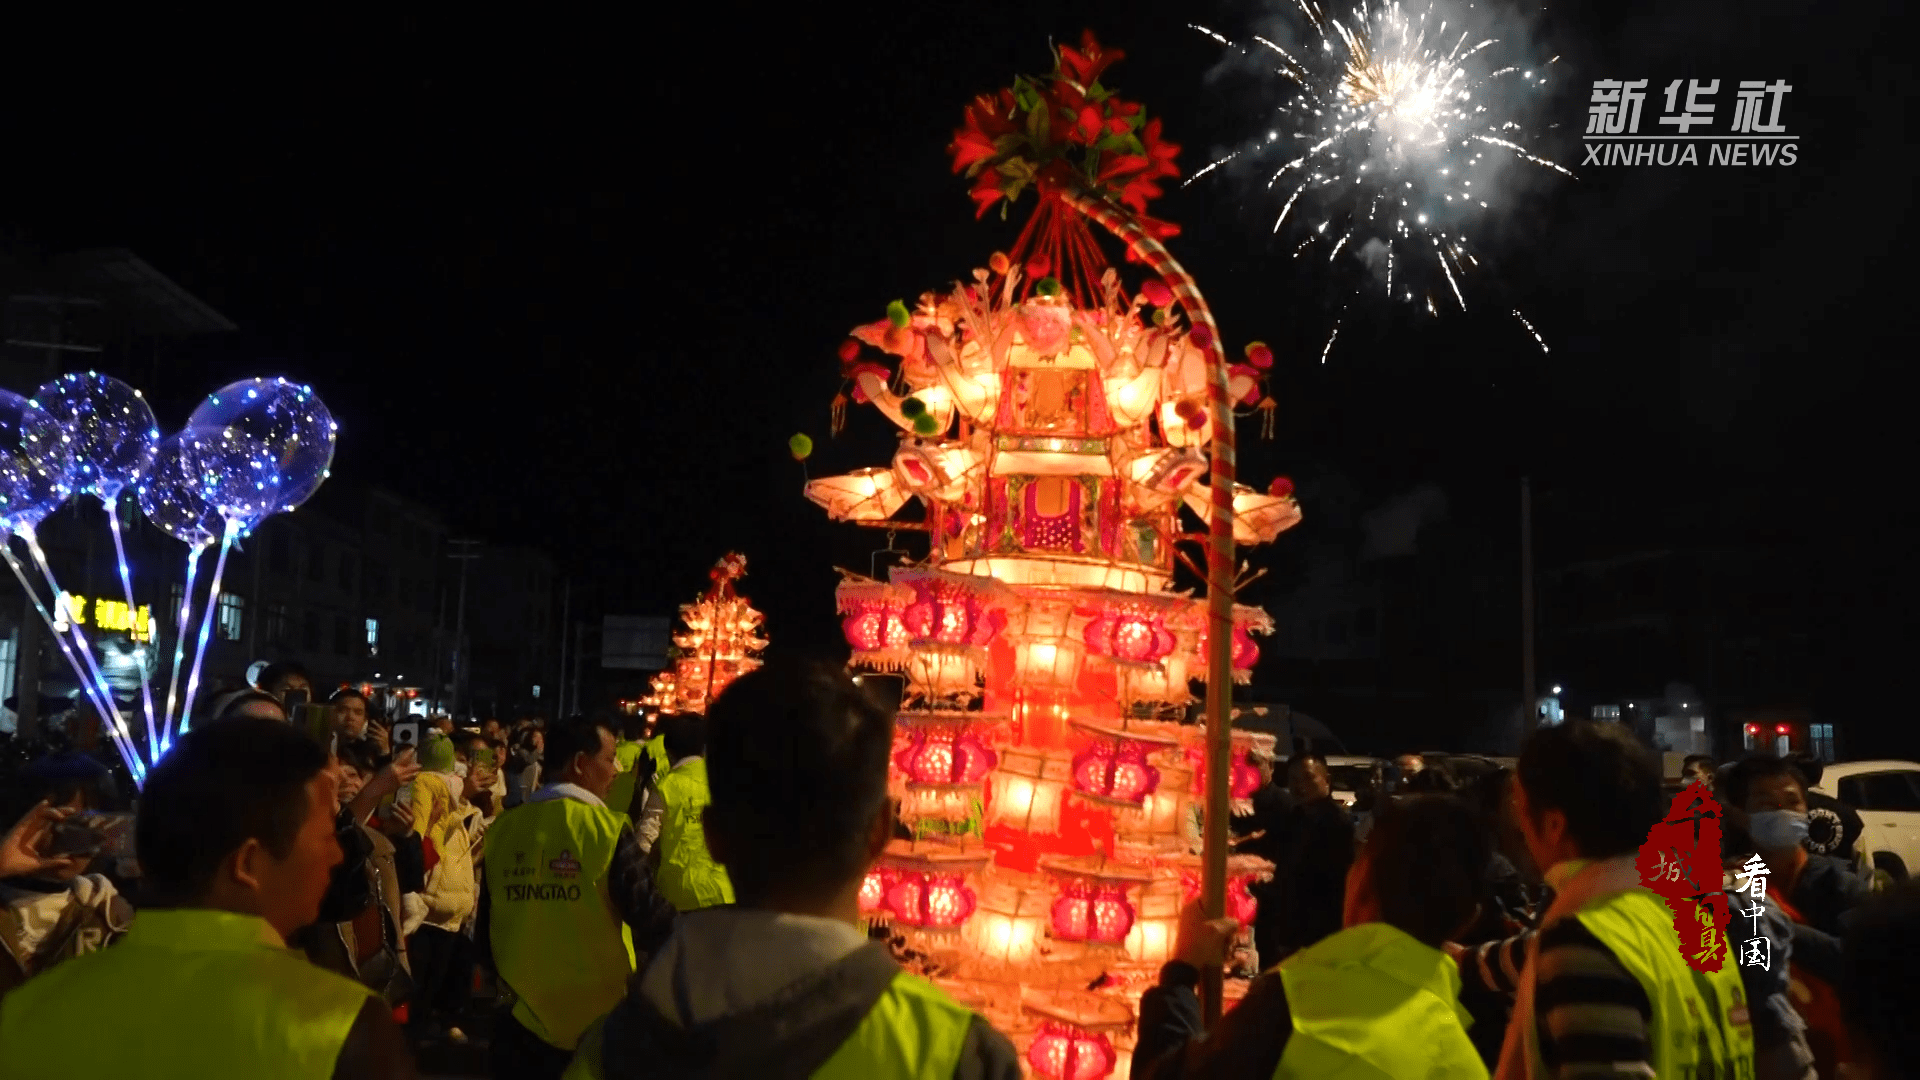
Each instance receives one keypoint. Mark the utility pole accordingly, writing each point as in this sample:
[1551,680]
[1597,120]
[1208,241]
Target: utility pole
[466,551]
[1529,700]
[560,680]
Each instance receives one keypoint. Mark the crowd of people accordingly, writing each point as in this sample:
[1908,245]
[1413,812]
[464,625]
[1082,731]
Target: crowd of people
[613,898]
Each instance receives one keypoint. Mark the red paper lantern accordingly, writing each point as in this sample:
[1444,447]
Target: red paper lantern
[943,613]
[1089,912]
[930,901]
[944,756]
[1245,652]
[873,891]
[1240,902]
[1115,769]
[874,625]
[1243,777]
[1062,1052]
[1126,635]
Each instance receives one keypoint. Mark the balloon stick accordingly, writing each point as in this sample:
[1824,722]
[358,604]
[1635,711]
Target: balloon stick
[206,623]
[126,587]
[122,740]
[180,645]
[77,629]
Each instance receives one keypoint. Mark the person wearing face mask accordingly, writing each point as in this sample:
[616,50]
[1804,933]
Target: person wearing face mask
[1765,799]
[1768,797]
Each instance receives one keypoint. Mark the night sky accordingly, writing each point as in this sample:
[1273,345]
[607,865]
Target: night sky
[575,283]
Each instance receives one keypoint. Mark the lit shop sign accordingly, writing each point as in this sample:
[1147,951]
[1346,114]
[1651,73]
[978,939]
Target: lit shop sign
[104,614]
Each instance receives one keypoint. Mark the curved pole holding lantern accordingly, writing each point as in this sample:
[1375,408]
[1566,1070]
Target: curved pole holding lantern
[1213,890]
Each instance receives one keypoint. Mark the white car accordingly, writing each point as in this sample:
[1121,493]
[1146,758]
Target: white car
[1886,795]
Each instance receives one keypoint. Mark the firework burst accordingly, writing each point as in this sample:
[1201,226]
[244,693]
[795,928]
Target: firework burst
[1391,146]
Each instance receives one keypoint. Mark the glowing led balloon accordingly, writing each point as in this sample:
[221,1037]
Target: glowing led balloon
[288,421]
[35,463]
[1395,145]
[172,495]
[109,429]
[238,473]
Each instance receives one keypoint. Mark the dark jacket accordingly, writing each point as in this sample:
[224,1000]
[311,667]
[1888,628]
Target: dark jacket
[1246,1043]
[787,1031]
[1832,827]
[1827,890]
[1302,903]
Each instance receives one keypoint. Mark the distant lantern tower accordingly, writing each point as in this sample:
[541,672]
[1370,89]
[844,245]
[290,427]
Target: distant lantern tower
[719,642]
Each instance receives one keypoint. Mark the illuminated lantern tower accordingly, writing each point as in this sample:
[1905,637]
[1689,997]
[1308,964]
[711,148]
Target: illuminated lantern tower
[1054,435]
[719,641]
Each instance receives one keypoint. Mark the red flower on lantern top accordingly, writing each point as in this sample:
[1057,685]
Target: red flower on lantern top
[1065,130]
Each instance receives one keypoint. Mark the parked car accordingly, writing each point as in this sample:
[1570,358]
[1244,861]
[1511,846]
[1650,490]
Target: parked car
[1886,795]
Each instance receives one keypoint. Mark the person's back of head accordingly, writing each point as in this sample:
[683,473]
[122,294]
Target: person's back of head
[1423,865]
[684,736]
[275,677]
[225,822]
[1606,785]
[797,766]
[245,702]
[1876,991]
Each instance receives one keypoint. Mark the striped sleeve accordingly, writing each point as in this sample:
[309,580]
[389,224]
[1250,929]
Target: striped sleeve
[1593,1015]
[1495,966]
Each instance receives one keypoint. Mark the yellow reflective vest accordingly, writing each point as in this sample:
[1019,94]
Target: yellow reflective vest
[689,878]
[656,748]
[914,1032]
[1373,1001]
[189,993]
[626,755]
[557,940]
[1700,1028]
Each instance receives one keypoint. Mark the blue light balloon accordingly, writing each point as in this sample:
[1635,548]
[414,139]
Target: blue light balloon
[285,418]
[239,474]
[109,427]
[172,495]
[34,463]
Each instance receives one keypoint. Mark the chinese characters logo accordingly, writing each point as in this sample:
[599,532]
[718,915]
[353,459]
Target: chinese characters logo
[1681,862]
[1755,134]
[1756,951]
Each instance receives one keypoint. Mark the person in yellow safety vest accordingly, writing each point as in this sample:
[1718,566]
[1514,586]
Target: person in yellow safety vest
[786,983]
[1376,999]
[1605,989]
[628,782]
[569,902]
[689,877]
[236,841]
